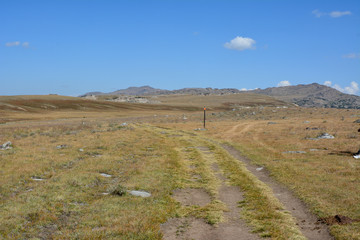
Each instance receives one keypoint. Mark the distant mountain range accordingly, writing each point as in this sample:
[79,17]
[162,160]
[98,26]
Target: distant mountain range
[147,90]
[308,95]
[312,95]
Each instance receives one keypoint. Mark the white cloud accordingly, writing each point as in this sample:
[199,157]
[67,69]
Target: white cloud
[328,83]
[12,44]
[351,55]
[243,89]
[333,14]
[352,89]
[25,44]
[240,43]
[317,13]
[336,14]
[284,84]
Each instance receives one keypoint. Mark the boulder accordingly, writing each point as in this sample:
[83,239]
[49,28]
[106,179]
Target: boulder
[6,146]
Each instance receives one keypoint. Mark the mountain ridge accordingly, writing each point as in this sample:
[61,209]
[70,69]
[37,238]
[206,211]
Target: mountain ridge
[304,95]
[312,95]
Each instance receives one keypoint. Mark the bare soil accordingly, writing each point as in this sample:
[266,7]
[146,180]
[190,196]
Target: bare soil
[192,196]
[233,228]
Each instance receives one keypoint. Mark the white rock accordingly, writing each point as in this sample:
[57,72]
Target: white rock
[294,152]
[6,146]
[105,175]
[259,169]
[325,136]
[140,193]
[37,179]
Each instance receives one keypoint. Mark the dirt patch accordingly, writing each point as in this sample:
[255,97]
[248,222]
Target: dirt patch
[197,229]
[307,222]
[192,196]
[233,227]
[338,219]
[185,228]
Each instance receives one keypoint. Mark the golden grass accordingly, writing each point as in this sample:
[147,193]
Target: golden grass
[326,177]
[70,204]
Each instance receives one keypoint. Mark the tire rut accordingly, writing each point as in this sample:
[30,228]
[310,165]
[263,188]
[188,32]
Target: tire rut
[233,228]
[308,223]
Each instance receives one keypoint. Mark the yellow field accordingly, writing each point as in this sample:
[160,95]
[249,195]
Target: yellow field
[71,168]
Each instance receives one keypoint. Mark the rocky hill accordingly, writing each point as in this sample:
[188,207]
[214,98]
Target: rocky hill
[147,90]
[305,95]
[130,91]
[312,95]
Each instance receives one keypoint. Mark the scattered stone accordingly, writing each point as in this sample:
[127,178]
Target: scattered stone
[6,146]
[184,117]
[272,123]
[294,152]
[306,121]
[124,124]
[322,136]
[81,149]
[37,179]
[105,193]
[325,136]
[62,146]
[140,193]
[357,121]
[105,175]
[314,150]
[259,168]
[200,129]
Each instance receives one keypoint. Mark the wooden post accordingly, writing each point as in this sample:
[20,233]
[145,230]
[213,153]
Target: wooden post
[204,116]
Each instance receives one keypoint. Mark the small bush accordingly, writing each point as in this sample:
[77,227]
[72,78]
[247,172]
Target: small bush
[118,190]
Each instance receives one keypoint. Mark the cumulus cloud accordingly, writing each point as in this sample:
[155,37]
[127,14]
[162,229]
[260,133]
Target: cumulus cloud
[284,84]
[351,55]
[328,83]
[25,44]
[12,44]
[352,89]
[317,13]
[17,43]
[336,14]
[240,43]
[333,14]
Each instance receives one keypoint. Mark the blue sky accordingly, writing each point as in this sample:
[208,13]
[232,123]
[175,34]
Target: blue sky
[78,46]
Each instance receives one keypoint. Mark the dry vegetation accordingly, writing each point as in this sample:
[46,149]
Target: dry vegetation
[326,177]
[74,201]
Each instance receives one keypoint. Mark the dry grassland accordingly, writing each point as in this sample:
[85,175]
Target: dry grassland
[46,192]
[321,172]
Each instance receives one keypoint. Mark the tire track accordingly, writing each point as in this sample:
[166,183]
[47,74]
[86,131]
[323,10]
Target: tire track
[308,223]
